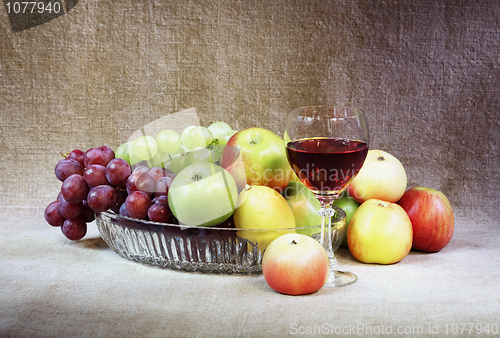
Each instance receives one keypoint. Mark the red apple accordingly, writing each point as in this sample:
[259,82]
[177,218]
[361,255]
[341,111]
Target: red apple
[379,232]
[257,156]
[295,264]
[381,177]
[431,216]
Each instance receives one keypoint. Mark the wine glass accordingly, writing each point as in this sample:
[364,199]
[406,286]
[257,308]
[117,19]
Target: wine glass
[326,147]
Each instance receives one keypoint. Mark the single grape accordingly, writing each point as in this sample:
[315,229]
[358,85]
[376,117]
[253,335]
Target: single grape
[219,129]
[122,152]
[134,159]
[162,186]
[74,189]
[145,148]
[109,154]
[101,198]
[184,135]
[95,175]
[159,212]
[223,141]
[53,214]
[168,141]
[77,154]
[87,213]
[67,167]
[199,137]
[140,181]
[141,164]
[137,204]
[156,173]
[163,199]
[160,160]
[123,210]
[74,229]
[70,210]
[141,168]
[169,172]
[121,196]
[117,172]
[94,156]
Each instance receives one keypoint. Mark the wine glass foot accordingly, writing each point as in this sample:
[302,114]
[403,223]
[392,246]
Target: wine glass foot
[340,278]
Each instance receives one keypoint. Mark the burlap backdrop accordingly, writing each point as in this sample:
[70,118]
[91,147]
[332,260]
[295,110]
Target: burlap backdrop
[426,72]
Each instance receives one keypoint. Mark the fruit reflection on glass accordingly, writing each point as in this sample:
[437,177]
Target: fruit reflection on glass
[326,147]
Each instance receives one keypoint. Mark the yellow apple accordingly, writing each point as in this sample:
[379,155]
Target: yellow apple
[380,232]
[381,177]
[262,215]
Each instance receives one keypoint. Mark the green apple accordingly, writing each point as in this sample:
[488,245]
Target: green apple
[203,194]
[380,232]
[257,156]
[304,207]
[349,205]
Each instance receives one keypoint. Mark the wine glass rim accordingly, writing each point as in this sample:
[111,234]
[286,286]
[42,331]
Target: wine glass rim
[356,111]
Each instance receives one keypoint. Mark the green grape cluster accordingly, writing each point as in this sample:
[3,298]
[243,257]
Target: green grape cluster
[175,152]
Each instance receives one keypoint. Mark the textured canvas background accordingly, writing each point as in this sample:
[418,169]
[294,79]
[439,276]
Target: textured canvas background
[426,72]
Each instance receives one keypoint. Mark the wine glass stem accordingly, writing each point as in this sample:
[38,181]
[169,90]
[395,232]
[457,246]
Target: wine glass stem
[326,213]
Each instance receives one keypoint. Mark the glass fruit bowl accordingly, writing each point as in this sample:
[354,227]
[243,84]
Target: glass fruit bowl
[205,249]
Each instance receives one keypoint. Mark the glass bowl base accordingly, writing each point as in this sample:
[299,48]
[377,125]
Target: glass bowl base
[177,247]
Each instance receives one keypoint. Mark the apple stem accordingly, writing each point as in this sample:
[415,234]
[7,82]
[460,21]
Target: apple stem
[382,204]
[293,242]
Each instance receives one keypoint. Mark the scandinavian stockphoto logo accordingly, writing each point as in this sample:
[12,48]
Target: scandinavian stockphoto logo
[27,14]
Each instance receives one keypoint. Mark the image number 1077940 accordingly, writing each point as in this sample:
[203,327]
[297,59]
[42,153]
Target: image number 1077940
[28,14]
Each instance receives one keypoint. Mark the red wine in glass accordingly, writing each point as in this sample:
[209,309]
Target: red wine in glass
[326,165]
[326,147]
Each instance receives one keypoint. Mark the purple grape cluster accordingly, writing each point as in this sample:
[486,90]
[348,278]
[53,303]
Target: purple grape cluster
[95,181]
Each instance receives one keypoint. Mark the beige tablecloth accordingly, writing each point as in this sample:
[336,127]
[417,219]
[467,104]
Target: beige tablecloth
[52,287]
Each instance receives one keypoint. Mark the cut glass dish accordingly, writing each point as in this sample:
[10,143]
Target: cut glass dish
[187,248]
